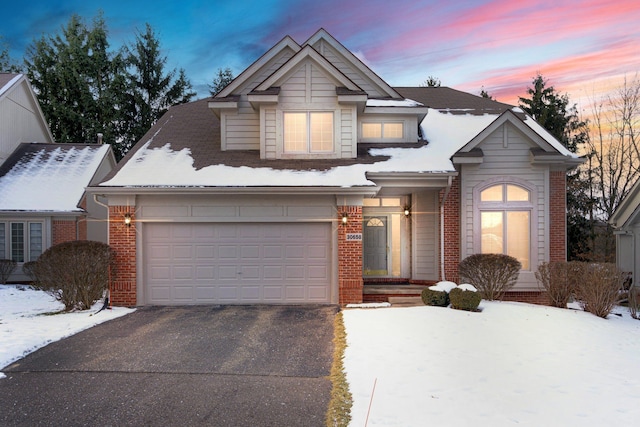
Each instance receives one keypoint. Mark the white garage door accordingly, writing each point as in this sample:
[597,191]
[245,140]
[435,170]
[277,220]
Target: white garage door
[237,263]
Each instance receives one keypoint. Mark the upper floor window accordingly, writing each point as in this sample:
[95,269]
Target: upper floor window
[505,222]
[308,132]
[383,130]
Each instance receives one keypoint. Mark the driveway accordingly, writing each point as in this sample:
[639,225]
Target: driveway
[187,366]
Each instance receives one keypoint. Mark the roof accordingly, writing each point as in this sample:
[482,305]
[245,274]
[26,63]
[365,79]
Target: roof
[7,80]
[628,210]
[185,145]
[41,177]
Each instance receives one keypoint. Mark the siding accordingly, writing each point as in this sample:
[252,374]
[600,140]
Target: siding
[241,129]
[348,69]
[507,154]
[19,121]
[425,215]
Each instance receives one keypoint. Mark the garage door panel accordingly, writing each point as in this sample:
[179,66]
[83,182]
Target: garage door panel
[200,263]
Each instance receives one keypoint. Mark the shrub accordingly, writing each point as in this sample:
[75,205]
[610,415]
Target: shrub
[435,297]
[464,300]
[75,273]
[6,268]
[599,288]
[634,301]
[491,274]
[559,280]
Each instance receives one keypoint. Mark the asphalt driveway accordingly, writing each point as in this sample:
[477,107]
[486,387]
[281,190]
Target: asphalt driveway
[187,366]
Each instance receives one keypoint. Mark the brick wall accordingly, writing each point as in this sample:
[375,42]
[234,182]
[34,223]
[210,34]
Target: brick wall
[557,216]
[541,298]
[122,239]
[349,256]
[63,231]
[451,232]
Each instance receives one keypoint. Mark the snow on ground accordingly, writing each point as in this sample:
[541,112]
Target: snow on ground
[511,364]
[24,326]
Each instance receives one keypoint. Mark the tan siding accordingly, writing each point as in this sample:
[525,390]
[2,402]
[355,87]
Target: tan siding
[346,137]
[352,73]
[293,91]
[243,129]
[426,231]
[510,161]
[270,134]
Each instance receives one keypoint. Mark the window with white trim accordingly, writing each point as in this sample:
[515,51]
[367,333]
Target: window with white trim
[21,241]
[382,130]
[308,132]
[505,221]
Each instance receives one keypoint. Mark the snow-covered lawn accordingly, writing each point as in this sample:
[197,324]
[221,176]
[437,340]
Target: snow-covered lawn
[25,326]
[511,364]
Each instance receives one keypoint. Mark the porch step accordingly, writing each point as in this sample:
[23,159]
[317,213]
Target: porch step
[405,301]
[413,290]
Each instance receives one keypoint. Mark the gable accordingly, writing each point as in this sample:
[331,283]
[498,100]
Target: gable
[350,65]
[628,212]
[21,119]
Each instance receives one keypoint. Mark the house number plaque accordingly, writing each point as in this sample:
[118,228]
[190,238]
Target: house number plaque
[354,236]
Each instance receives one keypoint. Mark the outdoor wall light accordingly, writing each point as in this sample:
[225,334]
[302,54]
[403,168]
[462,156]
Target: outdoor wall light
[345,217]
[407,211]
[127,219]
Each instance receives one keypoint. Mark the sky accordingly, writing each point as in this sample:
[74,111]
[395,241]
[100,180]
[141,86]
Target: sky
[583,47]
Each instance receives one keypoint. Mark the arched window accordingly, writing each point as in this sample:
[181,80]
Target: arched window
[505,221]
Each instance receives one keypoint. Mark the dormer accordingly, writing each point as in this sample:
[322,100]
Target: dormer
[314,101]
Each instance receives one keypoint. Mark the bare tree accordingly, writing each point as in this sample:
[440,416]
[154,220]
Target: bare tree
[614,146]
[614,159]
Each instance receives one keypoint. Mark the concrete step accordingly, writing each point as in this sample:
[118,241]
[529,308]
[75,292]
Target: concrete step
[405,301]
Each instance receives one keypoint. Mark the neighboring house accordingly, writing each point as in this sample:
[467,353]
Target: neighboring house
[308,179]
[626,221]
[42,200]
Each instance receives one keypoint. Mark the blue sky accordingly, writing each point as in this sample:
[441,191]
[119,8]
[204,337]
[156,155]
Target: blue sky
[580,46]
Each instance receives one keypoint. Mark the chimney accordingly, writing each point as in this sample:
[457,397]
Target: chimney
[100,138]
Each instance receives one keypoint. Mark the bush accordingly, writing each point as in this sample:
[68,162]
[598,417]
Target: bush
[435,297]
[559,280]
[599,287]
[464,300]
[491,274]
[75,273]
[6,268]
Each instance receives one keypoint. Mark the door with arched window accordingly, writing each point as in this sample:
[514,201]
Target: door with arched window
[375,247]
[505,215]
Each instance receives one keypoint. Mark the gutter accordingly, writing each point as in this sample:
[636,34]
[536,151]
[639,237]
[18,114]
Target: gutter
[444,199]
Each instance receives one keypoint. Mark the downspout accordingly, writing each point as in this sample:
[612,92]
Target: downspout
[97,202]
[444,199]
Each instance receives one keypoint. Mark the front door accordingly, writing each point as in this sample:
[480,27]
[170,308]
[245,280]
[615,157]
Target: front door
[375,246]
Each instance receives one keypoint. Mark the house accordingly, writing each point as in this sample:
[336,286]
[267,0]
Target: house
[626,222]
[309,179]
[42,199]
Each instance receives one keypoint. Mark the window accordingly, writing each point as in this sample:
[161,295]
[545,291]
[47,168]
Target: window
[505,222]
[382,130]
[21,241]
[308,132]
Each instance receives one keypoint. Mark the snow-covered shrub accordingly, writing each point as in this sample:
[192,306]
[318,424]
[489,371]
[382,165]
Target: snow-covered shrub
[491,274]
[6,268]
[434,296]
[468,287]
[462,299]
[75,273]
[599,287]
[560,280]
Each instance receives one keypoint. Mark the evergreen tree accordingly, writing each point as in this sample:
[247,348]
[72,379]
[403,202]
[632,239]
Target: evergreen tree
[6,64]
[152,90]
[485,94]
[76,80]
[551,110]
[221,79]
[431,82]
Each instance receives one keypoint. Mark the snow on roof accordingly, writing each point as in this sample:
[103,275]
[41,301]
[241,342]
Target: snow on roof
[50,179]
[537,128]
[393,103]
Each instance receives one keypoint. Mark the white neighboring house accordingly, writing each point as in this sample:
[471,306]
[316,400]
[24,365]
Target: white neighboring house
[42,199]
[626,222]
